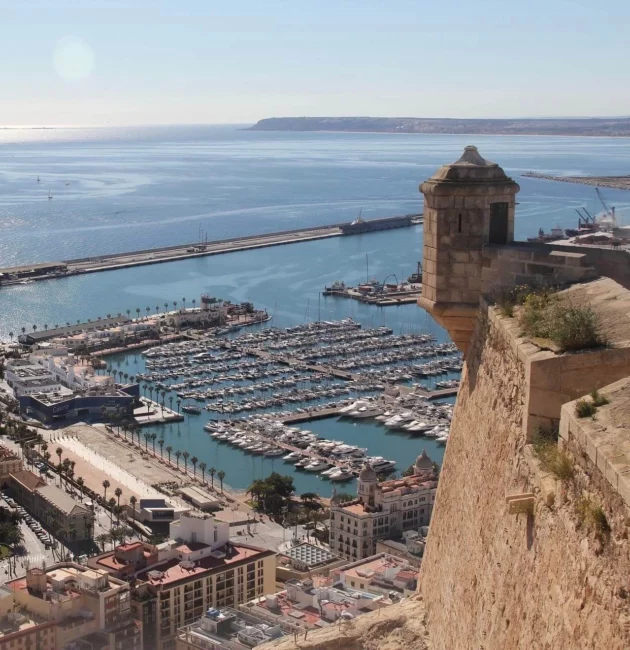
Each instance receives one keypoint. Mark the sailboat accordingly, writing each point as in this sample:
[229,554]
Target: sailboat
[49,195]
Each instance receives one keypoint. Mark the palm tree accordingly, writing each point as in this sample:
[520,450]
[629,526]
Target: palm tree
[105,485]
[175,304]
[169,449]
[148,310]
[184,301]
[128,312]
[178,453]
[11,336]
[138,311]
[118,492]
[34,328]
[161,443]
[112,504]
[179,404]
[221,476]
[203,467]
[193,302]
[81,484]
[146,441]
[163,395]
[102,540]
[46,326]
[157,309]
[153,439]
[212,472]
[194,460]
[59,451]
[133,500]
[165,307]
[186,455]
[170,402]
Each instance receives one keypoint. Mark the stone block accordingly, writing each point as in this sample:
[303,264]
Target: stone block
[539,269]
[455,295]
[460,256]
[430,252]
[474,283]
[441,282]
[428,292]
[546,403]
[473,270]
[429,266]
[444,240]
[470,297]
[457,282]
[459,269]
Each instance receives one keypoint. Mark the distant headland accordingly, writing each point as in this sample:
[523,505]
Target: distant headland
[595,126]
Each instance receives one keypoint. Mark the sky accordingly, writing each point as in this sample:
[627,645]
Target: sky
[94,62]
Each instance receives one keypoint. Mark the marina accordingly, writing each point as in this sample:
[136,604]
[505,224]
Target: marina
[258,388]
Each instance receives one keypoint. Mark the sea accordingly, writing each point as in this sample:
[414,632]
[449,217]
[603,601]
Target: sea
[118,189]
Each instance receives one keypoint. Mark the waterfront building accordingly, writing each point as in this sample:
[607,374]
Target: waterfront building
[57,511]
[9,463]
[198,568]
[37,337]
[379,574]
[382,510]
[227,629]
[75,605]
[52,385]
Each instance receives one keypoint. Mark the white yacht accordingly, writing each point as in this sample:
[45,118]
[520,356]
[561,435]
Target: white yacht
[316,466]
[370,411]
[341,475]
[380,464]
[292,457]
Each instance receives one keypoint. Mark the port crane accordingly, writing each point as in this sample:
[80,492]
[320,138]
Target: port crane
[609,212]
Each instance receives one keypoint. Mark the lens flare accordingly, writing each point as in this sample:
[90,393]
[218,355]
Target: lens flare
[73,59]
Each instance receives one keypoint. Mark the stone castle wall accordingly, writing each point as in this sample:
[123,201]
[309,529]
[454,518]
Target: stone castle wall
[496,580]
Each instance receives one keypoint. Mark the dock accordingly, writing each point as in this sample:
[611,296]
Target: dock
[94,264]
[388,299]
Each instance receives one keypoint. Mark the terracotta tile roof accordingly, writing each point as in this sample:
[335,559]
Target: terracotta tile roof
[29,480]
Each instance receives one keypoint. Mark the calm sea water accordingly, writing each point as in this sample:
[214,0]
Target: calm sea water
[136,188]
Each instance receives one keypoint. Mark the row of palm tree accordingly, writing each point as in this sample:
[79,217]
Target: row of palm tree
[128,311]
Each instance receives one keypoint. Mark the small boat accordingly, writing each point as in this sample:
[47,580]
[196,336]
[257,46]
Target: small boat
[193,410]
[292,457]
[49,195]
[67,182]
[38,179]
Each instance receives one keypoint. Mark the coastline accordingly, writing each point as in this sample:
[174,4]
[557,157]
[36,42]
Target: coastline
[611,182]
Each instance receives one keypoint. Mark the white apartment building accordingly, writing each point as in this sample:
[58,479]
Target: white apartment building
[382,510]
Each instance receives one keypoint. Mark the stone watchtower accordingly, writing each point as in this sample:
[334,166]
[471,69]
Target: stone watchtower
[467,204]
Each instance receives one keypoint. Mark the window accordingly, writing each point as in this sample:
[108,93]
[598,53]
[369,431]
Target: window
[498,231]
[459,224]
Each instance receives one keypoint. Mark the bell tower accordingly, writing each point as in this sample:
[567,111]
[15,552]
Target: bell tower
[467,204]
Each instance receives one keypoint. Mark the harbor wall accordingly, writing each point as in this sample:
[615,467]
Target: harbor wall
[516,557]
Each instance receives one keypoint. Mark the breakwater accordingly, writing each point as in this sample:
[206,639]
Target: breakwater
[614,182]
[52,270]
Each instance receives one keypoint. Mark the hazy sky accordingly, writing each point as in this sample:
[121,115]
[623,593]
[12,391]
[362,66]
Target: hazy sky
[236,61]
